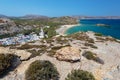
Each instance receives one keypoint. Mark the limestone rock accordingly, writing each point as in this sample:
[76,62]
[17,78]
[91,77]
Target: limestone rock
[70,54]
[24,55]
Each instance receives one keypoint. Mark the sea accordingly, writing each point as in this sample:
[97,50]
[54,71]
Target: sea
[90,25]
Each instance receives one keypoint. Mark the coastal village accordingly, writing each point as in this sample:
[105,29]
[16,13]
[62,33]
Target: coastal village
[20,38]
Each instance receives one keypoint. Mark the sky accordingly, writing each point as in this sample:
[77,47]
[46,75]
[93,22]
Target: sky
[60,7]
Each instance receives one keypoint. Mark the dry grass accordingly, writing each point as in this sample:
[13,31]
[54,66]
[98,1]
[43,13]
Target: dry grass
[81,36]
[27,46]
[91,45]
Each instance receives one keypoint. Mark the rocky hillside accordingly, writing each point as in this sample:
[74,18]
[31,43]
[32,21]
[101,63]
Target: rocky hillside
[30,23]
[66,20]
[9,27]
[87,51]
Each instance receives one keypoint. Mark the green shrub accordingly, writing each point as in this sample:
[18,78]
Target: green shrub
[98,34]
[90,40]
[51,53]
[91,45]
[101,39]
[41,70]
[50,31]
[6,62]
[80,75]
[92,56]
[35,53]
[25,46]
[28,46]
[81,36]
[89,55]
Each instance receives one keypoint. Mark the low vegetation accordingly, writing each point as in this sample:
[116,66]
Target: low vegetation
[80,75]
[98,34]
[7,35]
[62,40]
[42,70]
[51,30]
[107,38]
[111,39]
[82,36]
[91,45]
[100,39]
[35,53]
[51,53]
[28,46]
[89,55]
[6,62]
[92,56]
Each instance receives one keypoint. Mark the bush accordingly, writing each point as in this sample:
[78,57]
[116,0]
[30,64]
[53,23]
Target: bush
[42,70]
[51,53]
[98,34]
[35,53]
[80,75]
[91,45]
[89,55]
[6,62]
[27,46]
[50,31]
[92,56]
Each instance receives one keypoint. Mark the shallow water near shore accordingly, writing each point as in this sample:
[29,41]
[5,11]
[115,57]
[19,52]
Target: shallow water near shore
[90,25]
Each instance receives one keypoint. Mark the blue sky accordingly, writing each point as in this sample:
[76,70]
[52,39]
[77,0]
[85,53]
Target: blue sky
[60,7]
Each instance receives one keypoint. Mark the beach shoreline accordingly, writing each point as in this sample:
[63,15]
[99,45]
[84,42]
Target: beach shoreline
[64,28]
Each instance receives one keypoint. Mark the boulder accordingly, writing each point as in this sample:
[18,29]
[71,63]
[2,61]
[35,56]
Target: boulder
[70,54]
[24,55]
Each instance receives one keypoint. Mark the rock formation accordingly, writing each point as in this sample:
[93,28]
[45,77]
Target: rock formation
[24,55]
[71,54]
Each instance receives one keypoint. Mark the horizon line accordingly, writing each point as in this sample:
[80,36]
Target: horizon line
[61,15]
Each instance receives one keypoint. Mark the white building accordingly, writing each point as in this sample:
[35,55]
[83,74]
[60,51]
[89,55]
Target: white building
[41,34]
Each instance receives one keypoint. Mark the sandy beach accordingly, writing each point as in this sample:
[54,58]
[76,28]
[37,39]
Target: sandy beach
[64,28]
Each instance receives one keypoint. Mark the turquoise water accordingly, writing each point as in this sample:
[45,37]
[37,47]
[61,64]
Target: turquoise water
[90,25]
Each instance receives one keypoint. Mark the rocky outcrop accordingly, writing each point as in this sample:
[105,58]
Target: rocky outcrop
[70,54]
[24,55]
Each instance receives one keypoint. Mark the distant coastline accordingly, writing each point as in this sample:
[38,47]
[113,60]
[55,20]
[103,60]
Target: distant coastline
[104,26]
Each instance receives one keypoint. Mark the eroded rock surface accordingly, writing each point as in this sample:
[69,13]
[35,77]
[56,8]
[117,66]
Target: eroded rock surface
[24,55]
[71,54]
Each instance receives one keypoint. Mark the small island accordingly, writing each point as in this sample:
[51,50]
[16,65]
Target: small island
[103,25]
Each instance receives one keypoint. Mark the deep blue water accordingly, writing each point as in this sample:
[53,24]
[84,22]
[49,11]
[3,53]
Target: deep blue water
[90,25]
